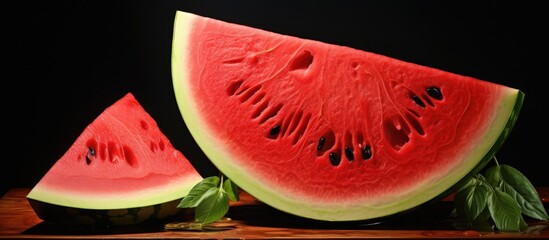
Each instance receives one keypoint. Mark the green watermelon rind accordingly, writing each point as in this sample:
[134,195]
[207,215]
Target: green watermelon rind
[141,198]
[102,218]
[219,153]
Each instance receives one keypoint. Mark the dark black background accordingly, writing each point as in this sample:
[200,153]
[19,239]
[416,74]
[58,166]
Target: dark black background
[72,59]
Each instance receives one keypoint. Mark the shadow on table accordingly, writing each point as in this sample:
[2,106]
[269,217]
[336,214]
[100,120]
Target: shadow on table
[435,217]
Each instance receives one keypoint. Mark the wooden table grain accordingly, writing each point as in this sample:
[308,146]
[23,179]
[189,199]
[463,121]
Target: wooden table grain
[251,219]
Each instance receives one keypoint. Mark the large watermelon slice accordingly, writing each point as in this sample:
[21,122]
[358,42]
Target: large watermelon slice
[121,170]
[330,132]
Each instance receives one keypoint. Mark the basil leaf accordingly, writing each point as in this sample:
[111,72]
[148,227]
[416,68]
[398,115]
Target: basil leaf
[472,181]
[197,193]
[231,189]
[493,176]
[509,194]
[505,211]
[471,201]
[522,190]
[213,207]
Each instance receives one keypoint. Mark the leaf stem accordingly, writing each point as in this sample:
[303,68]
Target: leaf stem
[496,160]
[221,181]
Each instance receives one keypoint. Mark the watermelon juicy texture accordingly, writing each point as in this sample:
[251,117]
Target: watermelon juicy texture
[121,170]
[330,132]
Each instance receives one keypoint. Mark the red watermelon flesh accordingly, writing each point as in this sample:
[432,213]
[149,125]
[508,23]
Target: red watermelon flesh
[330,132]
[121,160]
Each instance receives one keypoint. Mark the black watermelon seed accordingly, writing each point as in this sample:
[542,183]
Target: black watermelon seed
[334,159]
[320,143]
[434,92]
[91,153]
[366,152]
[418,101]
[275,130]
[349,154]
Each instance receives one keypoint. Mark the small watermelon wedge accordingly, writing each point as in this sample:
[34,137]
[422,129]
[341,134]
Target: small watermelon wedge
[121,170]
[329,132]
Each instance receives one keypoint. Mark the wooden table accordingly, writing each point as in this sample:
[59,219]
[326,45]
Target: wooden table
[253,219]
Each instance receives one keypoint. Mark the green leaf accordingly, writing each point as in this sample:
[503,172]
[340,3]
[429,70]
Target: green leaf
[493,176]
[471,201]
[463,197]
[197,193]
[513,182]
[231,189]
[472,181]
[522,190]
[505,211]
[213,207]
[508,194]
